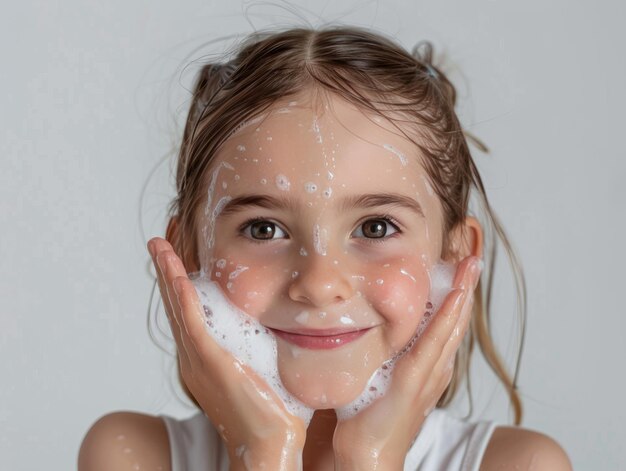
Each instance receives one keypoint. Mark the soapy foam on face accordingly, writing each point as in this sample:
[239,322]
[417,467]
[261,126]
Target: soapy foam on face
[237,271]
[406,273]
[255,346]
[429,188]
[282,182]
[441,279]
[302,318]
[319,239]
[395,151]
[209,228]
[247,340]
[316,130]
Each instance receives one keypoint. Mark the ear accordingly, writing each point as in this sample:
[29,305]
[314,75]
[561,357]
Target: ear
[467,239]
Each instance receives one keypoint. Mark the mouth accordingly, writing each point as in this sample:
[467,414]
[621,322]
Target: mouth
[320,339]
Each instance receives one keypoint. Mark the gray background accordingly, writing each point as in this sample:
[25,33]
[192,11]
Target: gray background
[92,97]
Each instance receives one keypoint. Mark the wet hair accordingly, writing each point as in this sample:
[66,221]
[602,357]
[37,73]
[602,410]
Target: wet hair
[377,75]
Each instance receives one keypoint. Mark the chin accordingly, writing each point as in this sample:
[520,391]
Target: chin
[326,393]
[327,379]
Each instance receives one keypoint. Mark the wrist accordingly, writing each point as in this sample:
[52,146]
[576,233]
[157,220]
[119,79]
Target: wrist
[271,454]
[372,461]
[375,456]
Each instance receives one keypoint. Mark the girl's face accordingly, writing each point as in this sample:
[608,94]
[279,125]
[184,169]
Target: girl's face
[322,225]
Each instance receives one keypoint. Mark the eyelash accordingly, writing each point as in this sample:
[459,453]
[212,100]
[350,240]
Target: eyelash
[381,217]
[251,221]
[389,220]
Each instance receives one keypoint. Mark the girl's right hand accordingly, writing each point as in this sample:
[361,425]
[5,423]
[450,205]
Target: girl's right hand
[251,419]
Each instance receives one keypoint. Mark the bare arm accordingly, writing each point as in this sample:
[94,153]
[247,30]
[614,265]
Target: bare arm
[125,441]
[519,448]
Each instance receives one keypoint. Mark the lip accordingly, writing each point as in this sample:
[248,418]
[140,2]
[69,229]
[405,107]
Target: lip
[324,339]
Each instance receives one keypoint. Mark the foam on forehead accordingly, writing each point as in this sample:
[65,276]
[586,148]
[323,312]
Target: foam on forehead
[320,187]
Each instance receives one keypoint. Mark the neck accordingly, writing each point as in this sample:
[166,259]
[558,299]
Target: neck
[318,449]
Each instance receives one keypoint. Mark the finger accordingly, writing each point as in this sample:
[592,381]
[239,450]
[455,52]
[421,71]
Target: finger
[157,248]
[162,261]
[193,320]
[448,354]
[458,333]
[237,379]
[446,320]
[421,359]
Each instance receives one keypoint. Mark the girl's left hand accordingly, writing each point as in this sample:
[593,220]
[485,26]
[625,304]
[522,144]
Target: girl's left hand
[380,436]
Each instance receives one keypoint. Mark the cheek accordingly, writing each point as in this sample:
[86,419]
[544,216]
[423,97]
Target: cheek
[399,294]
[249,285]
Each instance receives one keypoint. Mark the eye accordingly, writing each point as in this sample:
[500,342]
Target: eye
[377,228]
[261,230]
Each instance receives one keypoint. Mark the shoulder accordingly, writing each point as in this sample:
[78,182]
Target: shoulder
[524,449]
[125,441]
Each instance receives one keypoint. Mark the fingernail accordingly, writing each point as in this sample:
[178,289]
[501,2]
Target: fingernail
[151,248]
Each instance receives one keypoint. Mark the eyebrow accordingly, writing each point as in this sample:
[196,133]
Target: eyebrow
[347,203]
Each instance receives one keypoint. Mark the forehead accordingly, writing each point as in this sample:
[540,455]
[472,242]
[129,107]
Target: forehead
[321,148]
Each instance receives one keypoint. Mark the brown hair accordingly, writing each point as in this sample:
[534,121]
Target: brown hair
[379,76]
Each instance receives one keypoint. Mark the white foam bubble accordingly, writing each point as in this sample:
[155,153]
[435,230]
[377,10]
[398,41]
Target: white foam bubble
[320,239]
[302,318]
[255,346]
[346,320]
[210,227]
[429,188]
[316,130]
[406,273]
[395,151]
[237,271]
[223,201]
[441,279]
[246,339]
[282,182]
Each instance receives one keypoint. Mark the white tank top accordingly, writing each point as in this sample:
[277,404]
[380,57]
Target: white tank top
[444,443]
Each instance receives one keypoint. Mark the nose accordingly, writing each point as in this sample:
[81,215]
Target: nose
[320,282]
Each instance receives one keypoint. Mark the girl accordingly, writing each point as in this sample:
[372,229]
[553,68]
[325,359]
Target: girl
[323,185]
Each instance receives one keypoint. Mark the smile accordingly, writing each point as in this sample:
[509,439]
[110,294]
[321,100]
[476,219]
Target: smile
[320,339]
